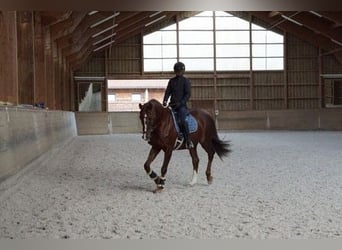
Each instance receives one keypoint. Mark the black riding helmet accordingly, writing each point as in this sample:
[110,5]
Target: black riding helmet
[179,66]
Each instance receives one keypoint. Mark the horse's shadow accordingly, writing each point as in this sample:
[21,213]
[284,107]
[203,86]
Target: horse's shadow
[135,188]
[174,186]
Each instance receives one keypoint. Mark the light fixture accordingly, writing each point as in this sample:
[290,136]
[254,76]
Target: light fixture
[103,46]
[315,13]
[92,12]
[154,21]
[291,20]
[107,37]
[105,30]
[337,42]
[105,20]
[155,13]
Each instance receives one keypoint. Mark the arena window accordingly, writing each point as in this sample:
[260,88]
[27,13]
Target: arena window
[214,36]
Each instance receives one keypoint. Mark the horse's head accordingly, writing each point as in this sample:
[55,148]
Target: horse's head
[149,117]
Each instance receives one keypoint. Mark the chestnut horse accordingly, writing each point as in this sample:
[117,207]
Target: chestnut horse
[160,132]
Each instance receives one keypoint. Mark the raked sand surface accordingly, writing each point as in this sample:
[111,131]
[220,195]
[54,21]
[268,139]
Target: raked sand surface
[283,185]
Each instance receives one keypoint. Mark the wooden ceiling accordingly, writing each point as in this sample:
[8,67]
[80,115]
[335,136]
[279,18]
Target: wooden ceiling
[78,34]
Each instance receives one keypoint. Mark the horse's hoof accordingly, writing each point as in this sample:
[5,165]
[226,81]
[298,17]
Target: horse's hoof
[158,190]
[210,180]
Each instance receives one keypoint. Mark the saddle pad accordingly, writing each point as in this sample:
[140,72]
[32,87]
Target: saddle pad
[192,123]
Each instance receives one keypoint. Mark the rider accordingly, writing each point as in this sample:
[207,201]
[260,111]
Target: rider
[179,88]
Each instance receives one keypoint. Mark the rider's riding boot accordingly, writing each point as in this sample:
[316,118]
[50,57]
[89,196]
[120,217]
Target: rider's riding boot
[186,133]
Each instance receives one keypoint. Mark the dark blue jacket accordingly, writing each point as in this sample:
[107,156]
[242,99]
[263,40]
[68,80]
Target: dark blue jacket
[179,88]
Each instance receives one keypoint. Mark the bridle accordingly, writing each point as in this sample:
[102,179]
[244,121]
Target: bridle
[149,123]
[147,126]
[144,130]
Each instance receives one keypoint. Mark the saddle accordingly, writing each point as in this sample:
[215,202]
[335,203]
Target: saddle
[192,125]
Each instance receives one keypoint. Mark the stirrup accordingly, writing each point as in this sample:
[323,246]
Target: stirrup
[178,142]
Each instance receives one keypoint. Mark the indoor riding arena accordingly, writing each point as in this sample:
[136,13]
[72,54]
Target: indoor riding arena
[72,153]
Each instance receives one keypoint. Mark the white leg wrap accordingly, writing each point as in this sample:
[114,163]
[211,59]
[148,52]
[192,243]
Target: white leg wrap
[194,178]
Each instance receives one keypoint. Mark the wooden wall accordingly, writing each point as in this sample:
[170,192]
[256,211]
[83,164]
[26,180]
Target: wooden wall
[292,98]
[299,86]
[94,66]
[95,123]
[38,57]
[302,74]
[31,69]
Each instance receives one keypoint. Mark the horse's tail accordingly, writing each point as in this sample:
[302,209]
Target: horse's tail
[221,147]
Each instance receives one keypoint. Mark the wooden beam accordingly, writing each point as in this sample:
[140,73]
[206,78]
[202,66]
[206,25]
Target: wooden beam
[82,36]
[134,22]
[319,25]
[286,82]
[85,38]
[40,84]
[338,55]
[299,31]
[25,57]
[318,40]
[8,59]
[130,23]
[334,16]
[136,28]
[49,73]
[78,58]
[52,17]
[67,26]
[80,31]
[77,62]
[56,78]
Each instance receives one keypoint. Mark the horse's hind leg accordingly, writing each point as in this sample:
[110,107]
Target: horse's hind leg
[195,161]
[211,154]
[208,171]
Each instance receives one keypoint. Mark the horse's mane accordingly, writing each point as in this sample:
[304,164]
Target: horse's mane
[155,102]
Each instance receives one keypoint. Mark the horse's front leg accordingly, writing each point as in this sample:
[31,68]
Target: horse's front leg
[147,166]
[161,180]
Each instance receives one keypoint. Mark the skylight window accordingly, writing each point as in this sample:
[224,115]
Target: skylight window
[213,36]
